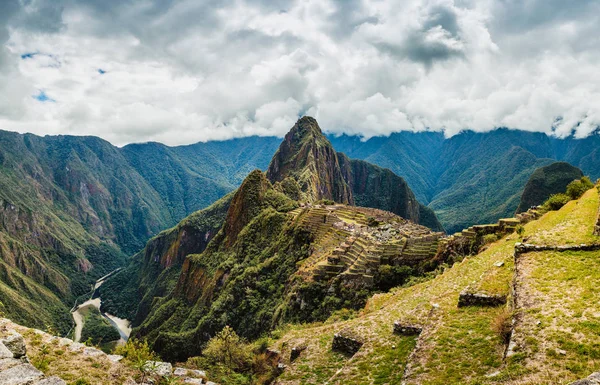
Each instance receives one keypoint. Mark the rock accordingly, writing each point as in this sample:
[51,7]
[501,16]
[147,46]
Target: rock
[190,380]
[92,352]
[7,363]
[406,329]
[211,383]
[499,264]
[50,381]
[158,368]
[20,375]
[562,352]
[16,344]
[281,367]
[295,352]
[346,342]
[76,346]
[183,372]
[4,352]
[115,357]
[592,379]
[480,299]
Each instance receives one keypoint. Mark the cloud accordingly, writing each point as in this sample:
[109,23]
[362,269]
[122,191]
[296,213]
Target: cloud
[187,71]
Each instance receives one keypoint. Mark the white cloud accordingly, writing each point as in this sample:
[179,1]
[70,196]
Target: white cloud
[185,71]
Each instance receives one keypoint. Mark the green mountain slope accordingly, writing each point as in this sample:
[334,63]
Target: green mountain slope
[545,181]
[72,208]
[554,340]
[270,254]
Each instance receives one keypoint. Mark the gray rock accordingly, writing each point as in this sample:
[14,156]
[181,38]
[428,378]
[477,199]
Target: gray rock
[4,352]
[196,381]
[6,363]
[158,368]
[115,357]
[180,372]
[16,344]
[50,381]
[20,375]
[93,352]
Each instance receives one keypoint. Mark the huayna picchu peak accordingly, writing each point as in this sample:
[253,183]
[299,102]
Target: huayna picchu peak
[307,158]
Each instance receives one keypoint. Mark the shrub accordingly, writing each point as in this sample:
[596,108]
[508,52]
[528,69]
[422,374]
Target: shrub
[520,229]
[578,187]
[489,238]
[556,201]
[501,325]
[227,348]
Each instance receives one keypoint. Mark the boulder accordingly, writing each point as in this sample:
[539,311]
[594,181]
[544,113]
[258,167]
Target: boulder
[190,380]
[592,379]
[115,357]
[295,352]
[16,344]
[93,352]
[184,372]
[405,329]
[346,342]
[4,352]
[162,369]
[20,375]
[50,381]
[480,299]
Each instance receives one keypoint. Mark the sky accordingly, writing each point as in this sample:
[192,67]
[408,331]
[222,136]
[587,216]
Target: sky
[180,72]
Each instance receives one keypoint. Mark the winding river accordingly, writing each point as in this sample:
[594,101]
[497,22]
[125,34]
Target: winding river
[122,325]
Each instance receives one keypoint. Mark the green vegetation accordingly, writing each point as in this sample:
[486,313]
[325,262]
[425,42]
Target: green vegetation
[546,181]
[466,345]
[96,329]
[576,188]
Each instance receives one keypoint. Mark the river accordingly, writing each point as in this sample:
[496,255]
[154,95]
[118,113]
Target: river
[122,325]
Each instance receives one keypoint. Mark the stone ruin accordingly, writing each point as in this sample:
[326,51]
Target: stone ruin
[480,299]
[352,242]
[406,329]
[346,342]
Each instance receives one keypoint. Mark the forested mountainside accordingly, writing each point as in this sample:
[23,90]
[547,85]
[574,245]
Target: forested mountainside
[72,209]
[545,181]
[471,177]
[191,281]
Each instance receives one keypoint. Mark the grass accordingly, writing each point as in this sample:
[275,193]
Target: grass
[464,345]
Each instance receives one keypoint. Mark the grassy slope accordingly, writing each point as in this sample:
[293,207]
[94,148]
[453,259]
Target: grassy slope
[457,346]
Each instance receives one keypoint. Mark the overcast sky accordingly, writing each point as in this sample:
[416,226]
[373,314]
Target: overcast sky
[187,71]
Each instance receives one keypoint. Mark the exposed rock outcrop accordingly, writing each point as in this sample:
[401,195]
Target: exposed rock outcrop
[347,342]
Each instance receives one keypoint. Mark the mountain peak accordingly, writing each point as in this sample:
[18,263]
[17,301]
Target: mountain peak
[308,157]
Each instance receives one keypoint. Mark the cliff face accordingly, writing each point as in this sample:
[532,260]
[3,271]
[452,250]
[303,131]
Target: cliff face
[376,187]
[307,156]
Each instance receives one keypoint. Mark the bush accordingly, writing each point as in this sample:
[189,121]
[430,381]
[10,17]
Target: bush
[556,201]
[578,187]
[501,325]
[227,348]
[520,229]
[489,238]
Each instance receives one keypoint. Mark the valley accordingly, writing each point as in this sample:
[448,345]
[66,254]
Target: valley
[331,270]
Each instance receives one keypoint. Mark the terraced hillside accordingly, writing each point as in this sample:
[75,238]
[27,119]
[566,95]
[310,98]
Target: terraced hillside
[556,315]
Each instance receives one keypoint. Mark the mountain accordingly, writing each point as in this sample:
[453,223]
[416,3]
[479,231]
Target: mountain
[73,208]
[471,177]
[545,181]
[272,259]
[307,156]
[521,324]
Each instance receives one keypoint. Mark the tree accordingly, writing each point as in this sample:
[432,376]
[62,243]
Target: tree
[227,348]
